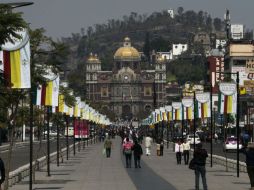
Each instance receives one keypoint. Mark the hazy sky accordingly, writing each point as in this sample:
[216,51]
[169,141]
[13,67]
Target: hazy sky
[63,17]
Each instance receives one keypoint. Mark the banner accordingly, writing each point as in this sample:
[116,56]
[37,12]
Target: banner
[16,61]
[187,108]
[177,110]
[202,105]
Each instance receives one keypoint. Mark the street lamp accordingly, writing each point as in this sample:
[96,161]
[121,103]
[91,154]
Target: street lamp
[16,5]
[237,114]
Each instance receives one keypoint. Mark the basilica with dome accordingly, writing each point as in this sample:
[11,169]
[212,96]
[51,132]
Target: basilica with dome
[126,90]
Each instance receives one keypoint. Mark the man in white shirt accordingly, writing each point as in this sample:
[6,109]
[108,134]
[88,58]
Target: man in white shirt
[179,151]
[186,152]
[148,144]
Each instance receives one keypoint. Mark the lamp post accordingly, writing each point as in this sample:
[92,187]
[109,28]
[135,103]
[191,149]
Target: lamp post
[16,5]
[237,114]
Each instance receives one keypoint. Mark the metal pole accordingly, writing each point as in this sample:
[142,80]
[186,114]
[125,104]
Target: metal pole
[237,121]
[48,142]
[211,118]
[67,137]
[57,143]
[182,121]
[79,135]
[194,121]
[167,124]
[31,142]
[74,129]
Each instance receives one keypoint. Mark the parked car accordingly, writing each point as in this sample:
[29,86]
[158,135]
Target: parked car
[51,133]
[231,144]
[190,139]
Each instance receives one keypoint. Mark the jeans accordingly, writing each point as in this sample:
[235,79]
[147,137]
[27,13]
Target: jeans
[128,160]
[179,157]
[108,152]
[186,156]
[200,170]
[250,170]
[137,161]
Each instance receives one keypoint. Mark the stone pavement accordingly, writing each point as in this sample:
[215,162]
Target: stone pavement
[90,170]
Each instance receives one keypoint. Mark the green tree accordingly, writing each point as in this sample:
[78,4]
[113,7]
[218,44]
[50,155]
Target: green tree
[10,23]
[146,47]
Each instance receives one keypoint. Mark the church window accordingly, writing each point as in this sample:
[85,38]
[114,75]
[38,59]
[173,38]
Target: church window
[147,91]
[104,91]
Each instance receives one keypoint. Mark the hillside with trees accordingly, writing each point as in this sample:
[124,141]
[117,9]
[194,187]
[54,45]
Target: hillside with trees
[157,31]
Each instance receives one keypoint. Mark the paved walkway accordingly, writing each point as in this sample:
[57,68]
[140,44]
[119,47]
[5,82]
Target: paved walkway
[90,170]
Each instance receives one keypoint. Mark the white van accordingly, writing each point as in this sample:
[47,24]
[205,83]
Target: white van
[70,131]
[190,139]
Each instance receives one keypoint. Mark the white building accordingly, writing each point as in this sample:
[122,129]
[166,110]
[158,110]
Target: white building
[171,13]
[178,49]
[165,55]
[236,31]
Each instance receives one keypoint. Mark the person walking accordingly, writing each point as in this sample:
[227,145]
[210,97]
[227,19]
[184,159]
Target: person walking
[186,152]
[108,146]
[249,153]
[2,171]
[161,147]
[137,152]
[148,144]
[200,156]
[127,149]
[179,151]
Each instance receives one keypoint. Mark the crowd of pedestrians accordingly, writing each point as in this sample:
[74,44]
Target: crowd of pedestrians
[131,147]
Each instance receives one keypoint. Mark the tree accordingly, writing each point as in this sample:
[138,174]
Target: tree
[10,24]
[146,47]
[217,23]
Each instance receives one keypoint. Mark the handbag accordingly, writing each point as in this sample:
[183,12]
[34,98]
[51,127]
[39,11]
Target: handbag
[103,151]
[192,164]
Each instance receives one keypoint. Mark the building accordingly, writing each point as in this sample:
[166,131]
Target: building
[126,90]
[178,49]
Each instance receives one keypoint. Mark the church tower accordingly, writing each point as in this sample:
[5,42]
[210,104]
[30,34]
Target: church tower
[160,79]
[93,65]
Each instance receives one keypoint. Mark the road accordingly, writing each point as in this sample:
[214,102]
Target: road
[218,150]
[20,154]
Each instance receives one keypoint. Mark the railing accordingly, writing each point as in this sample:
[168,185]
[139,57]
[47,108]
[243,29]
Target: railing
[19,174]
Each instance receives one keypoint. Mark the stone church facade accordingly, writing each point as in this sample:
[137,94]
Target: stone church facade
[126,90]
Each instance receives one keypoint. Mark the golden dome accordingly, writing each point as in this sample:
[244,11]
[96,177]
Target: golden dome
[93,59]
[127,52]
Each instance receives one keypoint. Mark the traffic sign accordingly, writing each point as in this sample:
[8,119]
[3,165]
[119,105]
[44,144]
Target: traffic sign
[249,66]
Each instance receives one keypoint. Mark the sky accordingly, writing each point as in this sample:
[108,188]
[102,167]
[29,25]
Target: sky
[60,18]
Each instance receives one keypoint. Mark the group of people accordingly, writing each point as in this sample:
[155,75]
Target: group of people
[128,148]
[182,149]
[199,155]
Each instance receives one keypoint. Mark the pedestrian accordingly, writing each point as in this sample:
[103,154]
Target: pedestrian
[127,149]
[178,151]
[108,146]
[200,156]
[215,138]
[2,170]
[186,152]
[137,152]
[161,147]
[249,153]
[148,144]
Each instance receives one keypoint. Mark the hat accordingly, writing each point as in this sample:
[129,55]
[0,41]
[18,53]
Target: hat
[250,145]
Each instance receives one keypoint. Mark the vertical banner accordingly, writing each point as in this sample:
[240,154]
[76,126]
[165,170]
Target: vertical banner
[227,98]
[203,108]
[188,108]
[168,109]
[16,61]
[177,111]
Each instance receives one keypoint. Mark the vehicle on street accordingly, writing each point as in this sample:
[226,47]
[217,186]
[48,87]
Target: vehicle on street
[51,133]
[231,144]
[190,139]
